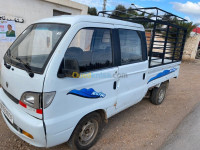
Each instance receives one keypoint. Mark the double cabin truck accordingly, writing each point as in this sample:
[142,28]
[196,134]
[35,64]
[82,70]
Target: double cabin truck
[64,76]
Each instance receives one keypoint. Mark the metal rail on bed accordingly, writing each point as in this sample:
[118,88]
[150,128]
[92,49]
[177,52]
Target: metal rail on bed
[165,34]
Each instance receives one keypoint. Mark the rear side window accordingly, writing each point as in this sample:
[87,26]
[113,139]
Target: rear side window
[91,47]
[131,47]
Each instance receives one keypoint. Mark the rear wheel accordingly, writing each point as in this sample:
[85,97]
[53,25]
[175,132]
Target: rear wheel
[86,132]
[158,94]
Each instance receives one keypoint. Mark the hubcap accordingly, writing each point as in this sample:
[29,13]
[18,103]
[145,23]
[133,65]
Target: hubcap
[88,132]
[161,95]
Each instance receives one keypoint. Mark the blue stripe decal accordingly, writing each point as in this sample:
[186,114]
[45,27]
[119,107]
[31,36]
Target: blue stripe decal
[164,73]
[87,93]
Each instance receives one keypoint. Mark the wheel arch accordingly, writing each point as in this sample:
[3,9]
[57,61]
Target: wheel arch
[101,112]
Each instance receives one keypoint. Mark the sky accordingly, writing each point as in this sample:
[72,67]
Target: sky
[189,10]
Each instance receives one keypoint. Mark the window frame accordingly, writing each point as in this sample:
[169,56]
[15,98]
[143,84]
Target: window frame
[143,48]
[92,42]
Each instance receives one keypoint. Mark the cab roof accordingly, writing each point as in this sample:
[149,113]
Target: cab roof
[70,19]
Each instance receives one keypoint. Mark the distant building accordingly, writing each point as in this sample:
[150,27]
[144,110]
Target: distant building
[30,11]
[197,30]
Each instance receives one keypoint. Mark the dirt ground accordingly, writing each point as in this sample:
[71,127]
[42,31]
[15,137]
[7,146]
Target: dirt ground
[143,126]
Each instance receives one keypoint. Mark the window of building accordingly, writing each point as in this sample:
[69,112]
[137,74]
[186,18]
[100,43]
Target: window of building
[60,13]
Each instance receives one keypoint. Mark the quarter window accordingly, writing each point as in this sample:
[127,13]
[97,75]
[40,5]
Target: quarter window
[91,48]
[131,48]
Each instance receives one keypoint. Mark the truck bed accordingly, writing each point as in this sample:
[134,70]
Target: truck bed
[159,74]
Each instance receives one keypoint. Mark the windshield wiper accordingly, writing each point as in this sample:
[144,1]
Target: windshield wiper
[26,66]
[8,66]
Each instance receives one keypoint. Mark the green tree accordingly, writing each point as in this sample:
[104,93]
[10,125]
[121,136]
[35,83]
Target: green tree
[120,11]
[132,12]
[92,11]
[188,25]
[123,12]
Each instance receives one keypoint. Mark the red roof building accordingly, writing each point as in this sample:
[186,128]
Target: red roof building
[196,30]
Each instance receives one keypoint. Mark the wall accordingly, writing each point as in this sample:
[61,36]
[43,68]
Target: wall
[190,49]
[33,10]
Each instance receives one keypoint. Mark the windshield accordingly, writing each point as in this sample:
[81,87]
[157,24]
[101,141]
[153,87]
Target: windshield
[35,45]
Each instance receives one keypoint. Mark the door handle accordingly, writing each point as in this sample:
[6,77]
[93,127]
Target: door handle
[115,85]
[144,76]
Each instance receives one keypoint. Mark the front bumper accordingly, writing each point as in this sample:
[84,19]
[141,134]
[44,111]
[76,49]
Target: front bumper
[25,122]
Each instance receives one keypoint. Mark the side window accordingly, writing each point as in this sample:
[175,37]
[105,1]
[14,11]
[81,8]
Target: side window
[91,48]
[131,48]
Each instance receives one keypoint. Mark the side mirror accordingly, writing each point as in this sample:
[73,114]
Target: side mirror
[71,68]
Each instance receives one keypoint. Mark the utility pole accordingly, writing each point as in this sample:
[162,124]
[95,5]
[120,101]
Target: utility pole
[104,5]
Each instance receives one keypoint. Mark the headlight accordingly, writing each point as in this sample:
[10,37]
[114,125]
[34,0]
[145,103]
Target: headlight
[48,98]
[32,99]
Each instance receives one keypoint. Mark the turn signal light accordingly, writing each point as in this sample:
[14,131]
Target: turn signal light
[27,134]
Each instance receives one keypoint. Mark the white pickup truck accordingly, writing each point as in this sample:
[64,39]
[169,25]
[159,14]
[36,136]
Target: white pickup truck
[64,76]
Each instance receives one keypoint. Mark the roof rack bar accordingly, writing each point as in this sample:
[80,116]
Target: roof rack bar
[139,9]
[163,11]
[143,11]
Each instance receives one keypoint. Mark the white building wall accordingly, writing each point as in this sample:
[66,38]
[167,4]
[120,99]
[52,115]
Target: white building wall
[33,10]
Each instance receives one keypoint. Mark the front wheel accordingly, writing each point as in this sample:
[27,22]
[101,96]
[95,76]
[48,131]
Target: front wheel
[86,132]
[158,94]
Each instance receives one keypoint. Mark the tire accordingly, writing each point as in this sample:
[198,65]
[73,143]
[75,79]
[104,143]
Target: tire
[86,132]
[198,54]
[158,94]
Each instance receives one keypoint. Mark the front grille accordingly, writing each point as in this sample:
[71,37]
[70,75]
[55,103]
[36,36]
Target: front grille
[11,97]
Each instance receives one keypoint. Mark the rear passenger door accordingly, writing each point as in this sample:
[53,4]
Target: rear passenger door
[133,68]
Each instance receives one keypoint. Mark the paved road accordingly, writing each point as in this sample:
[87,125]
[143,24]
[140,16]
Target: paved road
[187,135]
